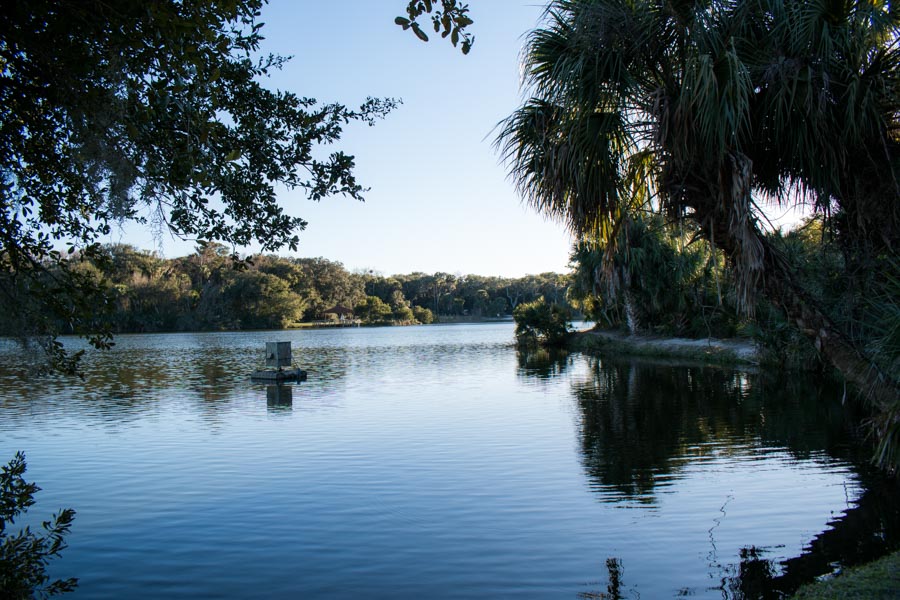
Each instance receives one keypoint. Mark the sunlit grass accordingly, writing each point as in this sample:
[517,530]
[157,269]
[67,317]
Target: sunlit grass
[874,581]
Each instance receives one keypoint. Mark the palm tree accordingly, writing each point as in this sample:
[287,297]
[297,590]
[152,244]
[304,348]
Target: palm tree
[699,110]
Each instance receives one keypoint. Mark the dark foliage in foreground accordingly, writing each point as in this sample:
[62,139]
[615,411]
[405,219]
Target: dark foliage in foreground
[25,555]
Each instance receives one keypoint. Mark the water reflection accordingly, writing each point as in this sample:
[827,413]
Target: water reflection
[754,574]
[138,376]
[614,585]
[542,363]
[868,530]
[436,462]
[641,423]
[279,398]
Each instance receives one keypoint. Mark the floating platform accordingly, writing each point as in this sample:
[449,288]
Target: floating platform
[279,375]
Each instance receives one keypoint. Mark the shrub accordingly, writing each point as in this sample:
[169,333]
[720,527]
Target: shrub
[423,315]
[539,322]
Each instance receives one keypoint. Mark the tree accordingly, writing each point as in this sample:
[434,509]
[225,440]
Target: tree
[653,280]
[497,307]
[284,269]
[403,315]
[450,20]
[25,555]
[482,298]
[540,322]
[148,292]
[698,110]
[257,300]
[372,310]
[332,285]
[397,299]
[117,111]
[423,315]
[440,286]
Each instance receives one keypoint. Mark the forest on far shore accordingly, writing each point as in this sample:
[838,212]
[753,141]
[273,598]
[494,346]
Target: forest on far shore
[209,291]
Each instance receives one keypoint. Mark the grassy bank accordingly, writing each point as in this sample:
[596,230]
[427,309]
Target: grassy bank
[875,581]
[706,350]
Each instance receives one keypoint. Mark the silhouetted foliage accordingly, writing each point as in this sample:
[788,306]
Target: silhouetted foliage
[538,322]
[25,555]
[450,20]
[117,111]
[700,111]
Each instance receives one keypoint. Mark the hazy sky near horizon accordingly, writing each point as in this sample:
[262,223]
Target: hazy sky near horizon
[440,199]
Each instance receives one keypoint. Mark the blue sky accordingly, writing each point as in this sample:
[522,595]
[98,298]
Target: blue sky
[439,199]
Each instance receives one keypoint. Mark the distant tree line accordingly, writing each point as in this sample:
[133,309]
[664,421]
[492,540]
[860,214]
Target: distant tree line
[208,290]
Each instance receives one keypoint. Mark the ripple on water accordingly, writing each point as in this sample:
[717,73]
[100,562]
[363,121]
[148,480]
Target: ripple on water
[425,462]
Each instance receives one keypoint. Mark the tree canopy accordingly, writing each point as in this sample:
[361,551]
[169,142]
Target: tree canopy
[121,110]
[701,110]
[203,291]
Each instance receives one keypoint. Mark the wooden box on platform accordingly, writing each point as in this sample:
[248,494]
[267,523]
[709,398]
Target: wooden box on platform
[279,361]
[278,354]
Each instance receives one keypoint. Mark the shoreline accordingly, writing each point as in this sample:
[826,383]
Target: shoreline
[872,580]
[714,350]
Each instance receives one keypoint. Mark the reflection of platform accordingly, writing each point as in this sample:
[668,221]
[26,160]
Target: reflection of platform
[279,375]
[279,397]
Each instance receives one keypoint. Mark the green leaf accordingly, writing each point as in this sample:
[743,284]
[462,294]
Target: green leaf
[402,22]
[419,33]
[233,155]
[454,37]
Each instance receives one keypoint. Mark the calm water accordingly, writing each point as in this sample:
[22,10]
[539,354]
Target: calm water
[438,462]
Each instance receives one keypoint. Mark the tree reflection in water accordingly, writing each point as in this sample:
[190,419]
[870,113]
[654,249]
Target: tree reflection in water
[641,422]
[542,364]
[615,582]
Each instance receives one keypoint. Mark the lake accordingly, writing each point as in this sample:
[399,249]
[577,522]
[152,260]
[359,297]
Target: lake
[439,462]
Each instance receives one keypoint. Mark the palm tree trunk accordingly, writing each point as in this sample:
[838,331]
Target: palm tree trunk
[782,289]
[729,224]
[630,312]
[859,369]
